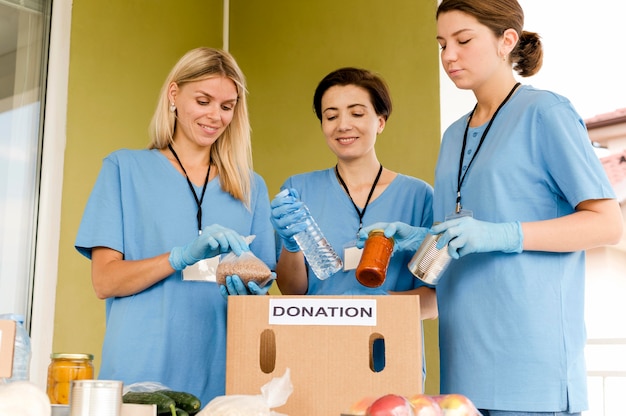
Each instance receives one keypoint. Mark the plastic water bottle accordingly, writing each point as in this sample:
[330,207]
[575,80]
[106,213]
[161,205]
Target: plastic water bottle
[317,250]
[21,354]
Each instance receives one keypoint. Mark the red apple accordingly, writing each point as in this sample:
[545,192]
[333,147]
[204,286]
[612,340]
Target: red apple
[425,405]
[457,405]
[390,405]
[359,407]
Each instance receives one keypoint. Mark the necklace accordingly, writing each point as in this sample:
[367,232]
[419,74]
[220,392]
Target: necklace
[360,213]
[193,192]
[461,177]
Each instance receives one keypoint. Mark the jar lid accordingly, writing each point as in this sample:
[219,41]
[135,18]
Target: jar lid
[377,231]
[68,356]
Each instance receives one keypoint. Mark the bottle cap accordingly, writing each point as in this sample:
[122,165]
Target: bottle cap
[284,192]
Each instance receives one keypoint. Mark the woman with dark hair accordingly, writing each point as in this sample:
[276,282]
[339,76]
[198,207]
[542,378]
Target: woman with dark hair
[353,106]
[520,195]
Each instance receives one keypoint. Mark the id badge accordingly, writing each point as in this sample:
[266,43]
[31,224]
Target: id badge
[203,271]
[461,213]
[351,256]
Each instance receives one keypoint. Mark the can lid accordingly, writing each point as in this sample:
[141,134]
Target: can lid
[70,356]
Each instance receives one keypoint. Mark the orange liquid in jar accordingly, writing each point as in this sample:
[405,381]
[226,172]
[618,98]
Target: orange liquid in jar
[62,370]
[372,268]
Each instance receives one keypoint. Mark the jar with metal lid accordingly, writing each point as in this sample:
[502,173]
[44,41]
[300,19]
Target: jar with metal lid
[372,268]
[62,370]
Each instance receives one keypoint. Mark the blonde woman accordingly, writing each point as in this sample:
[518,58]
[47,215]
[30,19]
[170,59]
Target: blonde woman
[156,215]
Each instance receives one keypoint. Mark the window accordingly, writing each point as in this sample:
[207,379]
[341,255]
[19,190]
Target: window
[24,34]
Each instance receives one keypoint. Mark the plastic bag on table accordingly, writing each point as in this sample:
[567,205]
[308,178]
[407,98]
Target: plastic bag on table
[23,398]
[273,394]
[144,387]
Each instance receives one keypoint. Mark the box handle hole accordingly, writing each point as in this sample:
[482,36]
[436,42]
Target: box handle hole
[377,352]
[267,351]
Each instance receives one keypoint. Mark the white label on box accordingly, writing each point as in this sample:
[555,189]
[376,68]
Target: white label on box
[339,312]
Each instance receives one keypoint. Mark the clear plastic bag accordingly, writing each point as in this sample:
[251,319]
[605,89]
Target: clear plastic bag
[247,266]
[23,398]
[145,387]
[273,394]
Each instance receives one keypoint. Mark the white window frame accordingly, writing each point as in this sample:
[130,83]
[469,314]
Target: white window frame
[51,187]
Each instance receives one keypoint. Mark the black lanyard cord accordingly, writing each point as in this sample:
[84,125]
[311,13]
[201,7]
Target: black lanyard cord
[360,213]
[461,177]
[195,196]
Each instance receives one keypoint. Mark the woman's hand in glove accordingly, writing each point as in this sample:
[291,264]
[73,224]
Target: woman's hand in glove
[287,214]
[406,237]
[235,286]
[467,235]
[214,240]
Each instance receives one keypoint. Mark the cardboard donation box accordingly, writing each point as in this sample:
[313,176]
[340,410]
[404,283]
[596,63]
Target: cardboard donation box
[332,345]
[7,347]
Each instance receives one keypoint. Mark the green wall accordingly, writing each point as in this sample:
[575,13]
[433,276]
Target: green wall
[286,47]
[122,51]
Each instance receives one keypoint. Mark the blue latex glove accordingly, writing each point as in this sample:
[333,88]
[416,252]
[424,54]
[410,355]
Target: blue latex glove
[214,240]
[286,217]
[406,237]
[467,235]
[234,286]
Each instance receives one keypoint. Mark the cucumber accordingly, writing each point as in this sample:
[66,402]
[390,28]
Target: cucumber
[181,412]
[164,404]
[184,401]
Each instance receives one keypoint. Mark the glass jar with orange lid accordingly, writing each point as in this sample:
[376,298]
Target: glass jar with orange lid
[372,268]
[62,370]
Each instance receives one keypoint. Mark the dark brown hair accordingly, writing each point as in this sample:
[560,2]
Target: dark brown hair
[500,15]
[372,83]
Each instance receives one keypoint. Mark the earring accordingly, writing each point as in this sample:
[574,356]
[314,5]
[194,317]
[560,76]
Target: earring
[172,107]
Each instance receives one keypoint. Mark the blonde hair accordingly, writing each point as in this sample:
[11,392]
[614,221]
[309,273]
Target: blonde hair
[232,152]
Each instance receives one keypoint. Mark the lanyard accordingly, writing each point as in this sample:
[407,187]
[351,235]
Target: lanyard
[461,178]
[360,213]
[195,196]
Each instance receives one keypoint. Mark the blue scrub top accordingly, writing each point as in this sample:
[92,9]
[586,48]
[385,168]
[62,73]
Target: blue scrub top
[174,332]
[512,331]
[406,199]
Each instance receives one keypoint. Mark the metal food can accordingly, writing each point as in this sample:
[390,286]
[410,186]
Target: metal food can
[428,262]
[96,398]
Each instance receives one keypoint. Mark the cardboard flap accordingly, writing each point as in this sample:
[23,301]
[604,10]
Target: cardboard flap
[7,346]
[328,349]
